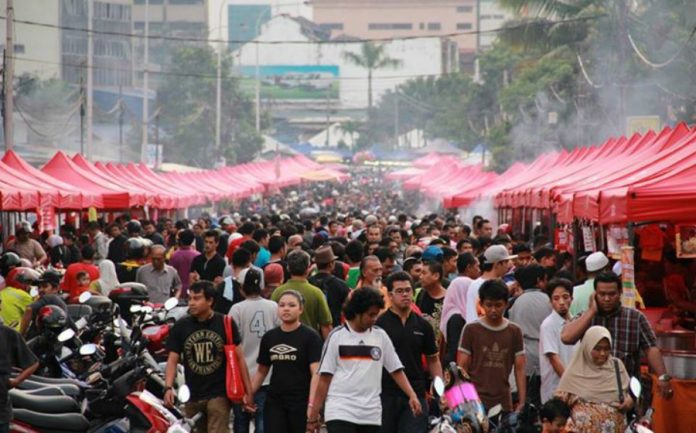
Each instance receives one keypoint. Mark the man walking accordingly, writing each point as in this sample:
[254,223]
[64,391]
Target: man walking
[335,289]
[182,258]
[497,263]
[208,266]
[162,281]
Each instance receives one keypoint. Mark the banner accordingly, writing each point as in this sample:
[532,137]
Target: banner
[588,239]
[617,237]
[628,280]
[46,217]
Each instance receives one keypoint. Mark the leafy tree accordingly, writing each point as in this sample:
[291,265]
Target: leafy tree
[371,57]
[187,97]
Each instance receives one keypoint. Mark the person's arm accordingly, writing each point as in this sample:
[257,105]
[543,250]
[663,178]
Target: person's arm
[326,330]
[176,285]
[257,380]
[249,397]
[41,256]
[314,371]
[26,320]
[657,365]
[556,363]
[434,366]
[574,330]
[320,392]
[400,378]
[463,361]
[21,377]
[520,361]
[169,377]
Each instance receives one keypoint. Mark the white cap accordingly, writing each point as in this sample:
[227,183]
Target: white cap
[497,253]
[596,262]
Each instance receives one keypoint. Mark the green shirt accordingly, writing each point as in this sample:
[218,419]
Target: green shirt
[316,310]
[581,297]
[13,303]
[353,277]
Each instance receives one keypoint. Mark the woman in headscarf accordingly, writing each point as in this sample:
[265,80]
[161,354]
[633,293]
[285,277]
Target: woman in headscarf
[591,389]
[107,278]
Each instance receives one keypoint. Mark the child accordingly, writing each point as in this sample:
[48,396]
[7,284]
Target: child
[83,281]
[554,416]
[489,348]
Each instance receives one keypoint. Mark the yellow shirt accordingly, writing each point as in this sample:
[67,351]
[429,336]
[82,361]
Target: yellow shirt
[13,303]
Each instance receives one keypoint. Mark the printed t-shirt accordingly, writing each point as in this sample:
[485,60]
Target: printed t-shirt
[550,342]
[355,360]
[201,345]
[290,354]
[431,310]
[493,352]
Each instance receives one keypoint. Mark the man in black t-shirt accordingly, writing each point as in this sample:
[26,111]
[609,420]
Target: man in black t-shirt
[14,353]
[335,289]
[412,337]
[209,266]
[198,341]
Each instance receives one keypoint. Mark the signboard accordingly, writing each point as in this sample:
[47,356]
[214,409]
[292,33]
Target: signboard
[297,82]
[588,239]
[617,237]
[642,124]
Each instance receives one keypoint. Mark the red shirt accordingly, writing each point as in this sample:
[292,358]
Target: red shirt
[70,278]
[234,245]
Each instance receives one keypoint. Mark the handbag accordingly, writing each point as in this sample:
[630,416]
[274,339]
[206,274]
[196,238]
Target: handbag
[233,374]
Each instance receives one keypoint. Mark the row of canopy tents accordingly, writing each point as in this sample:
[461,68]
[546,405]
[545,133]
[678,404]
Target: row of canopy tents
[74,183]
[645,177]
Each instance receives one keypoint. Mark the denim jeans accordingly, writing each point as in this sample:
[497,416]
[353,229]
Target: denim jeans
[242,419]
[398,418]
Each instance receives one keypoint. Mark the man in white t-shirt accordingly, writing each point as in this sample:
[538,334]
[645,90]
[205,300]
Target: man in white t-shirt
[497,262]
[554,356]
[254,316]
[351,366]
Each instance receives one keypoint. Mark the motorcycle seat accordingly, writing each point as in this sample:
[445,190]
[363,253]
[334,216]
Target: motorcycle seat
[65,388]
[55,380]
[48,422]
[40,403]
[77,311]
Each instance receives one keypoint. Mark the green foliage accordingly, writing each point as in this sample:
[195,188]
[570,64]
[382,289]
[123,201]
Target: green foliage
[188,98]
[371,57]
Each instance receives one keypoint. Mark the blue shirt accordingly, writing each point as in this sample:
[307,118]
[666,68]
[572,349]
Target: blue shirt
[263,257]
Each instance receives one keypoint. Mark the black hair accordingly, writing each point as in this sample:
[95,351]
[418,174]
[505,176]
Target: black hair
[354,251]
[502,240]
[251,246]
[484,242]
[466,229]
[448,253]
[480,223]
[298,262]
[435,268]
[462,242]
[259,234]
[241,257]
[361,300]
[529,276]
[521,248]
[252,282]
[410,262]
[384,253]
[397,276]
[493,290]
[212,234]
[465,260]
[186,237]
[275,244]
[543,253]
[206,287]
[247,228]
[87,252]
[559,282]
[295,294]
[553,409]
[608,277]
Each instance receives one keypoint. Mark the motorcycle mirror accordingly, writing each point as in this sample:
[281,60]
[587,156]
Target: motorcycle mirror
[84,297]
[88,349]
[495,411]
[642,429]
[135,308]
[66,335]
[439,386]
[81,323]
[635,387]
[34,292]
[171,303]
[184,394]
[146,309]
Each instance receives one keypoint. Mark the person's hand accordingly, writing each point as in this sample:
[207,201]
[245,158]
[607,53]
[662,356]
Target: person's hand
[249,404]
[519,407]
[415,406]
[218,280]
[665,388]
[313,424]
[193,277]
[593,303]
[169,397]
[12,383]
[623,407]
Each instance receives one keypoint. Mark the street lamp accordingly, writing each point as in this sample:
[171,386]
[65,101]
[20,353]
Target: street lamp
[218,93]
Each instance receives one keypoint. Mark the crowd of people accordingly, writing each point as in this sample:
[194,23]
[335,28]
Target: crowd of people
[343,318]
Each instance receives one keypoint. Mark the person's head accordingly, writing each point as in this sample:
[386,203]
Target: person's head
[374,233]
[251,286]
[371,271]
[363,307]
[87,253]
[261,237]
[251,246]
[387,257]
[596,263]
[596,345]
[395,235]
[413,266]
[607,286]
[93,228]
[82,278]
[247,229]
[114,230]
[157,253]
[277,246]
[198,229]
[273,275]
[354,251]
[431,275]
[546,257]
[324,258]
[295,242]
[210,242]
[475,223]
[400,288]
[531,277]
[298,263]
[484,228]
[449,260]
[498,260]
[49,283]
[290,306]
[493,296]
[186,237]
[524,254]
[554,415]
[149,227]
[468,266]
[241,258]
[465,246]
[560,291]
[201,297]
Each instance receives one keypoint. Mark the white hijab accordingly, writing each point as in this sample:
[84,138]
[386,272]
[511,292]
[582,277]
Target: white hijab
[107,277]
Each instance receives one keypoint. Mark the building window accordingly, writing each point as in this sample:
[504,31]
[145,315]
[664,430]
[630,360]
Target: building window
[434,26]
[422,26]
[465,9]
[390,26]
[464,26]
[331,26]
[493,17]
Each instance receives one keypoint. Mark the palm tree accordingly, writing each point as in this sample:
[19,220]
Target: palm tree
[352,128]
[371,57]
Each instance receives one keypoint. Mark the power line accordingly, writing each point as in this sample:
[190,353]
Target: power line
[278,42]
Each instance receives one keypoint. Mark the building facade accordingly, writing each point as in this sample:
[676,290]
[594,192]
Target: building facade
[491,17]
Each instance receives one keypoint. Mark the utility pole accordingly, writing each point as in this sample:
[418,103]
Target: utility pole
[396,120]
[90,82]
[8,77]
[146,61]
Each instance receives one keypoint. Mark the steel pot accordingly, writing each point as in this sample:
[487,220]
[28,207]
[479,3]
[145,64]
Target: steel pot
[680,364]
[677,340]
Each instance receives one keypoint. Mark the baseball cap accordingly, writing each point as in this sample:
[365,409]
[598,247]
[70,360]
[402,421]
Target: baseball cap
[596,262]
[497,253]
[432,254]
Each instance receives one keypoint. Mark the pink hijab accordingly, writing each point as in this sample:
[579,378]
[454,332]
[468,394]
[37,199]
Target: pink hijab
[455,301]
